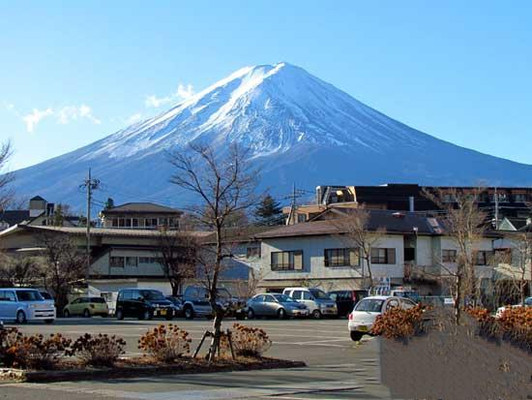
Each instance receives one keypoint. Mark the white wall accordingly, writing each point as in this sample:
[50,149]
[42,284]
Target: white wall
[313,258]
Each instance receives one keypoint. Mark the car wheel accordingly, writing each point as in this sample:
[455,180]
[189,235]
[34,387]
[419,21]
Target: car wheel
[119,314]
[356,336]
[189,313]
[251,314]
[281,313]
[48,321]
[66,314]
[145,315]
[21,317]
[316,314]
[86,313]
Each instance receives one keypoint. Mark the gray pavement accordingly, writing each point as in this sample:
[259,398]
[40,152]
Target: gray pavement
[337,367]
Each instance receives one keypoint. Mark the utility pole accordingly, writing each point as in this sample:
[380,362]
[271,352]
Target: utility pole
[89,184]
[496,198]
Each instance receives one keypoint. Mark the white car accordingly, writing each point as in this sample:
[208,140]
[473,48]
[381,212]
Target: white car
[500,310]
[365,312]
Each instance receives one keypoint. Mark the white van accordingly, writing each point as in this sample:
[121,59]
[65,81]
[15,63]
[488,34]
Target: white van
[317,301]
[21,305]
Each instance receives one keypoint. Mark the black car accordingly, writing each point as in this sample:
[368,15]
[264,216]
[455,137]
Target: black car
[143,304]
[177,301]
[346,300]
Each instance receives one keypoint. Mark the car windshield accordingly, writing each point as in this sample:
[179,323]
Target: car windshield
[223,293]
[29,295]
[283,298]
[46,296]
[320,294]
[371,305]
[152,295]
[96,300]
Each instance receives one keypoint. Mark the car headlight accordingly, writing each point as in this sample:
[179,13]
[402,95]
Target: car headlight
[34,305]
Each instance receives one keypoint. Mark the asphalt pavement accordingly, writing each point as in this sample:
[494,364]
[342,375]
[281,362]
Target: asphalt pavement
[337,367]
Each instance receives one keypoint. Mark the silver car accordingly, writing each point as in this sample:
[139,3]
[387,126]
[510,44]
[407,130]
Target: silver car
[21,305]
[275,305]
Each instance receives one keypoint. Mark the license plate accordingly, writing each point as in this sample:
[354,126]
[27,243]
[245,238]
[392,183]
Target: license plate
[162,312]
[362,328]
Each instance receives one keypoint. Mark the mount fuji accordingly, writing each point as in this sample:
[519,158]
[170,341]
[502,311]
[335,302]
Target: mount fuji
[298,129]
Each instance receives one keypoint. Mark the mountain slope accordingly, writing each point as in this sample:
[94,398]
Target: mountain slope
[298,129]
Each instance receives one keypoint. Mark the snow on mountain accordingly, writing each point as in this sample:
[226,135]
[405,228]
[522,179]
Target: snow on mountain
[299,129]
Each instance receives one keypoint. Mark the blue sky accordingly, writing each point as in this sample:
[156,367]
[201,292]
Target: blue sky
[73,72]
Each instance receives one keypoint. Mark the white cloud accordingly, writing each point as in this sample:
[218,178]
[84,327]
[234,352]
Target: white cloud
[183,92]
[63,115]
[134,118]
[34,118]
[73,113]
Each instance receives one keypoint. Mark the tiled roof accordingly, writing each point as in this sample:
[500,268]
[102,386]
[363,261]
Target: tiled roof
[391,221]
[141,208]
[13,217]
[100,231]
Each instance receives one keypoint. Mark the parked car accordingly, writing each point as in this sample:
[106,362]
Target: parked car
[196,303]
[409,294]
[317,301]
[275,305]
[177,301]
[87,307]
[48,297]
[363,316]
[21,305]
[346,300]
[500,310]
[143,304]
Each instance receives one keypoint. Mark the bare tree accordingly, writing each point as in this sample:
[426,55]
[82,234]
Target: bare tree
[64,264]
[178,255]
[6,193]
[515,265]
[224,186]
[465,224]
[19,271]
[355,232]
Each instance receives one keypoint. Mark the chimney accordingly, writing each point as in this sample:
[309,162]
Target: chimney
[411,203]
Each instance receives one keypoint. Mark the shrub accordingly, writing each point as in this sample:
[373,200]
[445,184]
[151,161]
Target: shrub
[399,323]
[516,324]
[247,341]
[165,342]
[101,350]
[32,352]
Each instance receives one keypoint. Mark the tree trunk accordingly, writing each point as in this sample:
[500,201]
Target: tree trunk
[218,312]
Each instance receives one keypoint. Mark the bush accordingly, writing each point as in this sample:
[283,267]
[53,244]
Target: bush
[165,342]
[32,352]
[247,341]
[101,350]
[399,323]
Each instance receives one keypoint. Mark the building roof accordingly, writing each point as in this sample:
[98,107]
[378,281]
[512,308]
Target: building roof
[37,198]
[134,208]
[13,217]
[393,222]
[75,230]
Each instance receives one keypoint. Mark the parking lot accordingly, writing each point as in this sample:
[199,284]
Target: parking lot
[335,363]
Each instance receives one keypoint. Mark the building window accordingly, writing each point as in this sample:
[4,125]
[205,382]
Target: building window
[253,252]
[448,256]
[482,257]
[135,222]
[114,223]
[132,262]
[287,260]
[151,222]
[520,198]
[341,257]
[116,262]
[382,256]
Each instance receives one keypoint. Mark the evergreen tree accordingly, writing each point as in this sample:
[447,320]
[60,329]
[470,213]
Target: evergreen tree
[269,212]
[110,203]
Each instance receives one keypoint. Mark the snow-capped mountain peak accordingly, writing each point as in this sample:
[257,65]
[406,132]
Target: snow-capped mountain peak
[297,128]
